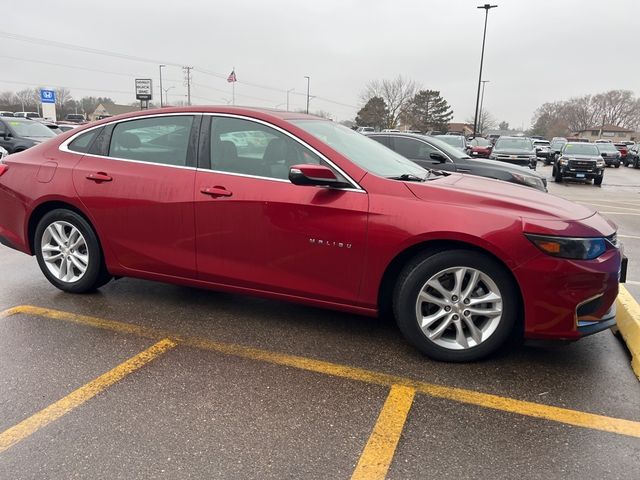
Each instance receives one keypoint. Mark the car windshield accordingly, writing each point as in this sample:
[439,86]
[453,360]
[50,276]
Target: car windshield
[364,152]
[606,147]
[580,149]
[558,144]
[446,148]
[29,128]
[513,144]
[480,142]
[453,140]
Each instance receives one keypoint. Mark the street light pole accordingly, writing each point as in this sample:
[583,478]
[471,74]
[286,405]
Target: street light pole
[160,69]
[484,82]
[486,8]
[308,81]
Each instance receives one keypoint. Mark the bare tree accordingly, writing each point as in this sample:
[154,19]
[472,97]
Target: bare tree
[486,121]
[396,93]
[8,99]
[25,99]
[63,97]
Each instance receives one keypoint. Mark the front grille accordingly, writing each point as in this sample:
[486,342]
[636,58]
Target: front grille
[582,165]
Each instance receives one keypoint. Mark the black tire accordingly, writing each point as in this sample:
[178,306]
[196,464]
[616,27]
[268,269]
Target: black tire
[557,176]
[413,278]
[95,275]
[598,180]
[617,165]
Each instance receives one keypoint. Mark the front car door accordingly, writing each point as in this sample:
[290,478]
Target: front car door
[136,182]
[421,152]
[255,229]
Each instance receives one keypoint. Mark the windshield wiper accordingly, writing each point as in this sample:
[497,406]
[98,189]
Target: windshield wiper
[408,177]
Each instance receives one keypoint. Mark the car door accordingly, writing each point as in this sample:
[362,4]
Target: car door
[422,153]
[6,141]
[137,186]
[257,230]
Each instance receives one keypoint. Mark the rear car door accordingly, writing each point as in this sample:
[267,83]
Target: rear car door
[136,182]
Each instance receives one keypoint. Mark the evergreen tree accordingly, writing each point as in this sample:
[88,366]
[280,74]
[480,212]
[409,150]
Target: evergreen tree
[429,111]
[373,114]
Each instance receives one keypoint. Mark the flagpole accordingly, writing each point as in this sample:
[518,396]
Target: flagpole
[233,88]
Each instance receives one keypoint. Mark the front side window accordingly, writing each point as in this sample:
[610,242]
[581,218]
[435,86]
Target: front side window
[251,148]
[162,140]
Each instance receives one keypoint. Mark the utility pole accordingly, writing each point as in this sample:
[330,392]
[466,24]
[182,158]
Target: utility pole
[160,68]
[486,8]
[308,82]
[288,92]
[187,82]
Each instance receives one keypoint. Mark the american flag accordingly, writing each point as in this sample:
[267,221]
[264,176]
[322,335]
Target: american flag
[232,77]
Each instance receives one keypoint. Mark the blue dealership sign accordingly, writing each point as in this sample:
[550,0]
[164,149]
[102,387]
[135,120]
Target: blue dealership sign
[47,96]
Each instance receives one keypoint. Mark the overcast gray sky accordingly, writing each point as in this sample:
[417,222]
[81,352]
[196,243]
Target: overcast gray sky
[537,50]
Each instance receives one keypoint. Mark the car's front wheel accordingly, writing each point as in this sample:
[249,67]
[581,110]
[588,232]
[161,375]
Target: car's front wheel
[69,253]
[558,176]
[598,180]
[456,305]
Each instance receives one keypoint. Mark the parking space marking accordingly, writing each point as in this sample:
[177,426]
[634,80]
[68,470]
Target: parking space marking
[378,453]
[611,206]
[619,213]
[635,237]
[35,422]
[496,402]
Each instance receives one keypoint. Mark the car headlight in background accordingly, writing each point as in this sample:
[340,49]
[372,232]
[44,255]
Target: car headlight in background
[529,180]
[568,247]
[600,163]
[563,161]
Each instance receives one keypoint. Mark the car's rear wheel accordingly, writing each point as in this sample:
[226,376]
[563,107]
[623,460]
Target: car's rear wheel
[69,253]
[456,305]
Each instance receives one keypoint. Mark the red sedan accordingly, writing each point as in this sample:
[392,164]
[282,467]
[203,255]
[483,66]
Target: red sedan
[479,147]
[294,207]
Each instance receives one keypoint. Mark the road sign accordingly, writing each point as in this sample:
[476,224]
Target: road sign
[47,96]
[143,89]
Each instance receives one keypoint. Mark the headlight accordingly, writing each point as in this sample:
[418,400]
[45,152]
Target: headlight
[563,161]
[566,247]
[529,180]
[600,163]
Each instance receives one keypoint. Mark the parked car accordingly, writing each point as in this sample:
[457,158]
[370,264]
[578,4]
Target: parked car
[580,161]
[610,154]
[603,140]
[75,118]
[433,153]
[325,216]
[515,150]
[3,153]
[32,115]
[66,127]
[6,114]
[365,129]
[18,134]
[493,137]
[542,149]
[479,147]
[555,148]
[457,141]
[390,130]
[624,152]
[633,156]
[577,140]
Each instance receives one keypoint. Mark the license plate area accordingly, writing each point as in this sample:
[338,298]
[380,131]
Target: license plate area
[579,175]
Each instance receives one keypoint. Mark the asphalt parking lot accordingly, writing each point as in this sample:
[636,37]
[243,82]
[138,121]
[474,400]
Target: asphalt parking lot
[146,380]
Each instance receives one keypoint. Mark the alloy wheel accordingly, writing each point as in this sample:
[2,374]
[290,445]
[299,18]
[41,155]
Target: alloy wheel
[64,251]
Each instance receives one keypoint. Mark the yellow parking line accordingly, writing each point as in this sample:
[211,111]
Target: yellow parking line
[378,453]
[27,427]
[487,400]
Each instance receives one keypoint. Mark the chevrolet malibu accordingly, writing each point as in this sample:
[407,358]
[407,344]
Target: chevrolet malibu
[305,210]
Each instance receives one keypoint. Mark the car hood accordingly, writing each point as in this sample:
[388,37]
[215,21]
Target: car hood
[483,193]
[505,167]
[582,157]
[513,151]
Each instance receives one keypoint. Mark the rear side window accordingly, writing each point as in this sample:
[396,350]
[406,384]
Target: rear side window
[84,141]
[162,140]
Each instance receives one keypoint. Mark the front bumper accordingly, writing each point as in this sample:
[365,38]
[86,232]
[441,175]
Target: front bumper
[575,300]
[581,174]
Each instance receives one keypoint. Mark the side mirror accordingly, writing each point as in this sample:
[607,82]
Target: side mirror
[314,175]
[437,157]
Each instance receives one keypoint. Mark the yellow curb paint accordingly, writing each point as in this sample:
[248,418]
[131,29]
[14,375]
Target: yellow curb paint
[557,414]
[628,320]
[27,427]
[381,446]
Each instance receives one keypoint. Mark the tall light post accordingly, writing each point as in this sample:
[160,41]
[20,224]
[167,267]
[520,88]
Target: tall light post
[308,82]
[484,82]
[160,69]
[486,8]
